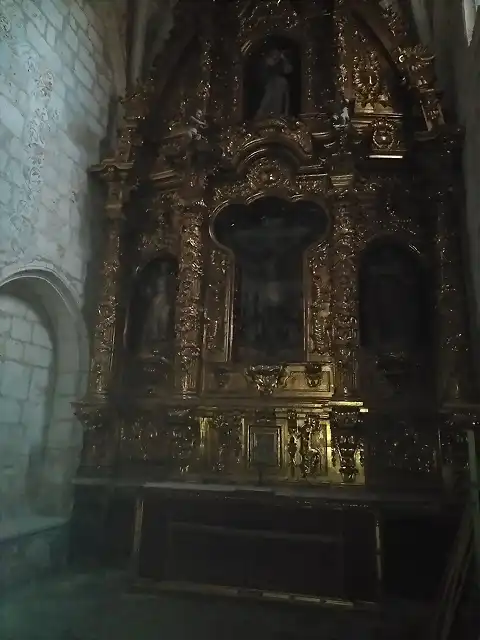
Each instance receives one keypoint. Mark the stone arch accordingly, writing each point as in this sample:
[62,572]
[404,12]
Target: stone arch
[51,296]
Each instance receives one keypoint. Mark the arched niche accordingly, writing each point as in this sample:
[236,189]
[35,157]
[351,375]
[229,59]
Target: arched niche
[272,79]
[395,310]
[150,328]
[268,240]
[44,368]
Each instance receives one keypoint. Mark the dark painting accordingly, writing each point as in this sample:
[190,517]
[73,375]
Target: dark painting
[394,301]
[268,239]
[151,320]
[272,85]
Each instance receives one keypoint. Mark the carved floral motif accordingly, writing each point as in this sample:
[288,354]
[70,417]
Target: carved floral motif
[319,312]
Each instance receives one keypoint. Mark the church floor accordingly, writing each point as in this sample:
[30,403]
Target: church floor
[96,606]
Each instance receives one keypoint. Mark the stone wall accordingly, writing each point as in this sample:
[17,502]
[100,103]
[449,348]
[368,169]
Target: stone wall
[55,93]
[61,66]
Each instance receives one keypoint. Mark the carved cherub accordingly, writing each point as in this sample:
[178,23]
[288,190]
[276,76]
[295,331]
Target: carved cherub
[342,115]
[197,124]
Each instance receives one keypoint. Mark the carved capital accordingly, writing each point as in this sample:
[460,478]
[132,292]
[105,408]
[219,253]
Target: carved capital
[116,177]
[99,450]
[347,440]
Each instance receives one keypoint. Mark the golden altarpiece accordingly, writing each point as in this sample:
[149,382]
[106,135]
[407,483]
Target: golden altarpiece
[281,318]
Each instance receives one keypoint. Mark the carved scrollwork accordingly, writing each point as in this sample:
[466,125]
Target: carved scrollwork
[227,432]
[371,90]
[313,374]
[269,173]
[347,441]
[267,378]
[385,135]
[417,63]
[188,320]
[306,447]
[184,432]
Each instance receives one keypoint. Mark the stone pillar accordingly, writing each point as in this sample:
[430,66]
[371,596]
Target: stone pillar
[344,295]
[193,209]
[188,320]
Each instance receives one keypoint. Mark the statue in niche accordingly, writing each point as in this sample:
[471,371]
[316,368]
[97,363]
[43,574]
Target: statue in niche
[276,95]
[272,83]
[152,312]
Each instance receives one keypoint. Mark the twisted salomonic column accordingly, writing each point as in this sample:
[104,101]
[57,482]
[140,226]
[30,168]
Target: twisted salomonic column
[103,344]
[193,209]
[344,295]
[189,303]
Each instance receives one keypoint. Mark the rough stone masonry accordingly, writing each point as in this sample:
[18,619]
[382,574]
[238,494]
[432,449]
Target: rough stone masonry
[55,91]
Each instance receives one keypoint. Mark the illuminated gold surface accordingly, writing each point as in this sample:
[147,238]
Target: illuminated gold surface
[201,415]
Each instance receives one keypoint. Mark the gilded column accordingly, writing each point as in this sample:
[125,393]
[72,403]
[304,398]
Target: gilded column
[344,296]
[103,343]
[343,77]
[189,310]
[189,302]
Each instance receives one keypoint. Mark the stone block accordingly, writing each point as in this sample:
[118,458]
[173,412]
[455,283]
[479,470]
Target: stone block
[63,408]
[14,350]
[3,159]
[95,38]
[66,55]
[53,12]
[51,35]
[79,15]
[10,411]
[87,60]
[5,324]
[12,306]
[35,15]
[5,191]
[83,74]
[12,119]
[21,330]
[41,337]
[33,418]
[37,41]
[15,380]
[71,39]
[38,357]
